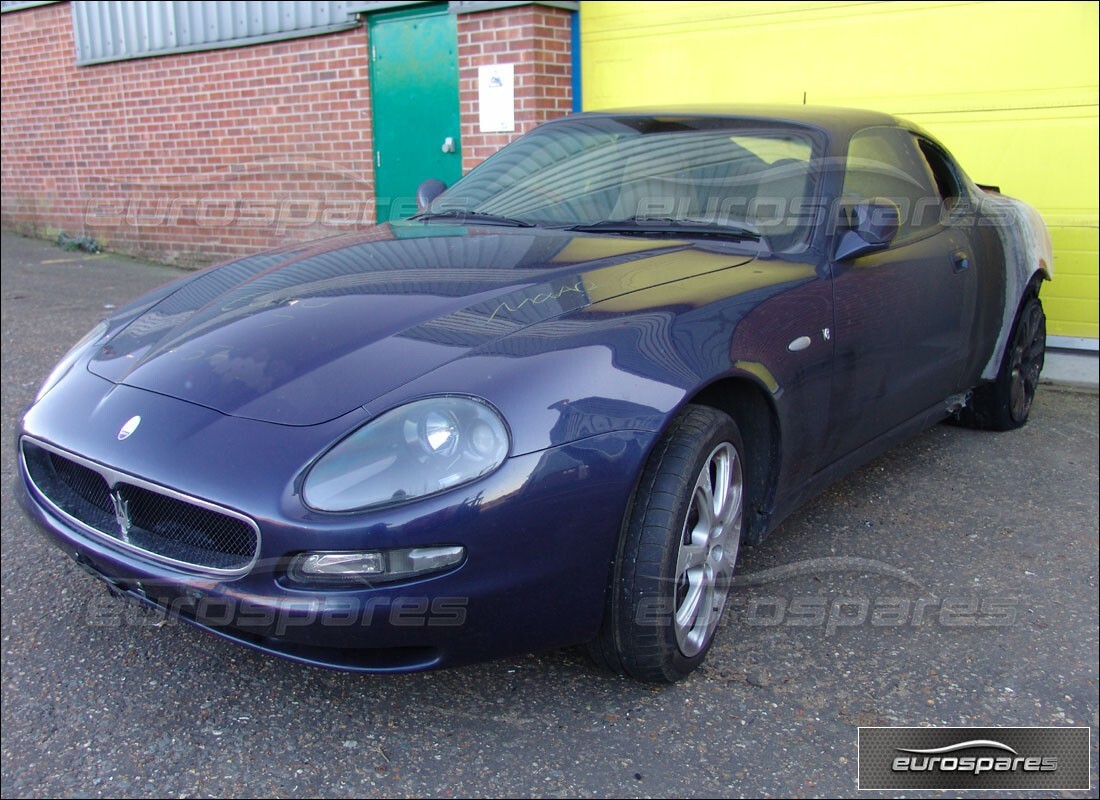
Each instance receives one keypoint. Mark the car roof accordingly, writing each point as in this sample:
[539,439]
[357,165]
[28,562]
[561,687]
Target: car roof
[832,119]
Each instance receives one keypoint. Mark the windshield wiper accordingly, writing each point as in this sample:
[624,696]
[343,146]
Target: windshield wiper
[669,226]
[472,216]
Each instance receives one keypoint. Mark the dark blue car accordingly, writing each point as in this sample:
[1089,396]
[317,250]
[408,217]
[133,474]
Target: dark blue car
[550,408]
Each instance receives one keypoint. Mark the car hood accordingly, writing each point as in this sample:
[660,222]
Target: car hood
[306,334]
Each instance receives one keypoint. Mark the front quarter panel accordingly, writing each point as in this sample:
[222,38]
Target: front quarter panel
[631,362]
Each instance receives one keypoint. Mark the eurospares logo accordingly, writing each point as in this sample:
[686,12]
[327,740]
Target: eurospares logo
[950,759]
[974,758]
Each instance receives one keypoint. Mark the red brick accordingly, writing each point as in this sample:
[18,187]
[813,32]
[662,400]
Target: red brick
[173,128]
[178,124]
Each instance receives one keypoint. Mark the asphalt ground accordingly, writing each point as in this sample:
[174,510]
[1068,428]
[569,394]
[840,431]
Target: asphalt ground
[952,581]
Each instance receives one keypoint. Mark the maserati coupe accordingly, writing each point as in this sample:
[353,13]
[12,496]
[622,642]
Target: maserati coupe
[549,408]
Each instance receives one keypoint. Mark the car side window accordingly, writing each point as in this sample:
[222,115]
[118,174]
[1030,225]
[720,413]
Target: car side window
[943,171]
[885,162]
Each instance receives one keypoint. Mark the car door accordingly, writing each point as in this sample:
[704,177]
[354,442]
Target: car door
[902,315]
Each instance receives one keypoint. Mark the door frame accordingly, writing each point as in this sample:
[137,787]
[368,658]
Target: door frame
[414,11]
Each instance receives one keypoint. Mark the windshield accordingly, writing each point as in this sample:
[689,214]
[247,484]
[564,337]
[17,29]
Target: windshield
[684,172]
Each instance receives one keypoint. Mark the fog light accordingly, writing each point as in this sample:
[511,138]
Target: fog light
[367,568]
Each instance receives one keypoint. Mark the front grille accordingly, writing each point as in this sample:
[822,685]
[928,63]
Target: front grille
[142,516]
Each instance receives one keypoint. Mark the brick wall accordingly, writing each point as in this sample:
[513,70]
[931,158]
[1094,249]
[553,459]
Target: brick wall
[198,157]
[536,39]
[187,158]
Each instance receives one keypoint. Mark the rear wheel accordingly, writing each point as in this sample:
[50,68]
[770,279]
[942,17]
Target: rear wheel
[1005,403]
[678,548]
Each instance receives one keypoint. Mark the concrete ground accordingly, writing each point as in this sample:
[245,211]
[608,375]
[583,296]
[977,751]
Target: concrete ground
[952,581]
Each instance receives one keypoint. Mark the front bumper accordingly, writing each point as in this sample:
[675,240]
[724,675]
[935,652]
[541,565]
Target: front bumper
[539,536]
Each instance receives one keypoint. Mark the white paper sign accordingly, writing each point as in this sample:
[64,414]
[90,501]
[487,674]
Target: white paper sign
[496,95]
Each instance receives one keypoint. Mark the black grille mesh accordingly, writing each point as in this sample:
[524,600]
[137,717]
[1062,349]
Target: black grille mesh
[78,491]
[159,524]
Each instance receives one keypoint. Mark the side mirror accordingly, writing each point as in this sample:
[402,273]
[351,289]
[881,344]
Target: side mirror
[874,224]
[427,192]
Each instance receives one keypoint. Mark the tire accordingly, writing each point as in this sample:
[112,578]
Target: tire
[677,551]
[1004,404]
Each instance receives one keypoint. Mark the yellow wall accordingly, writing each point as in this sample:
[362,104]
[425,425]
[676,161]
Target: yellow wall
[1010,88]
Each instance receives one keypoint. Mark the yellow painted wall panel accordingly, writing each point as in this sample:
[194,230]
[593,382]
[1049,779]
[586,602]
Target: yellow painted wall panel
[1070,300]
[1080,239]
[1070,262]
[1081,287]
[1011,88]
[1076,330]
[1076,313]
[974,54]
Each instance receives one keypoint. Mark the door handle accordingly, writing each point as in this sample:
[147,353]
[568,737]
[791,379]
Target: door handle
[448,145]
[960,261]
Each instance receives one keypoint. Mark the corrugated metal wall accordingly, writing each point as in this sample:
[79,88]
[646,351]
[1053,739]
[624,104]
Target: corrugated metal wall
[19,5]
[114,31]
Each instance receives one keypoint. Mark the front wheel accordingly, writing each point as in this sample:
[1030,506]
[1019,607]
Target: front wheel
[677,551]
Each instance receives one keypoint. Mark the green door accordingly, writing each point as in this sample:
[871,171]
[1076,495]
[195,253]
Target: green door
[414,92]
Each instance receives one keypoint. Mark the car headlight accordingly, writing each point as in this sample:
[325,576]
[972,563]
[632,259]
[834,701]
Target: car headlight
[411,452]
[90,340]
